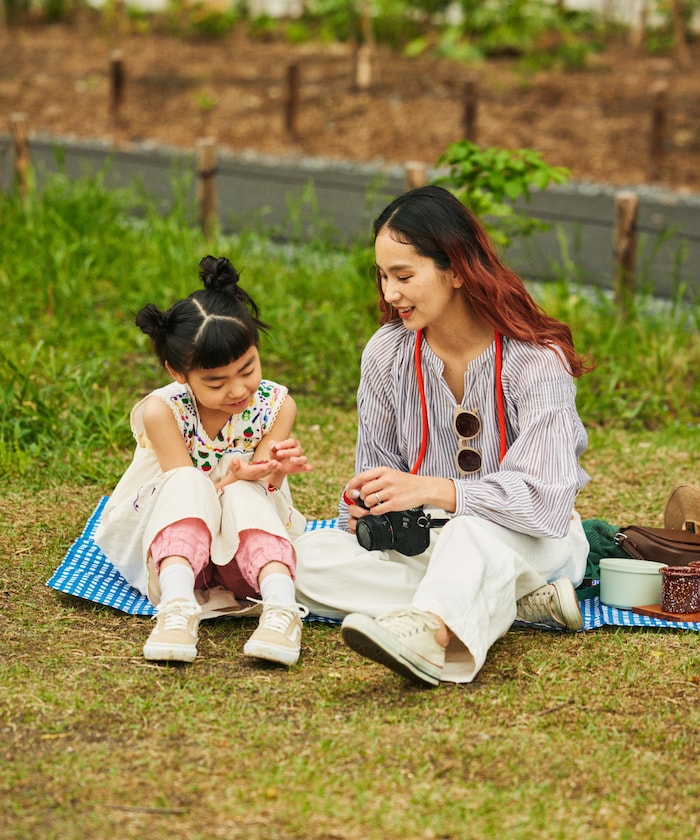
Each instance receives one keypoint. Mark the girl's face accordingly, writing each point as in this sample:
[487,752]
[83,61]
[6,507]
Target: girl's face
[224,390]
[421,293]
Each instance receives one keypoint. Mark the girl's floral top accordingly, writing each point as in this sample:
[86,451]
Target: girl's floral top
[239,436]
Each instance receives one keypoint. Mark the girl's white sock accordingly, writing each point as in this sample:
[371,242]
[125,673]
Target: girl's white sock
[177,583]
[278,588]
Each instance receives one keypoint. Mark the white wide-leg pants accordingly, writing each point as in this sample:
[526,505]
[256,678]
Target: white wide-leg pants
[471,576]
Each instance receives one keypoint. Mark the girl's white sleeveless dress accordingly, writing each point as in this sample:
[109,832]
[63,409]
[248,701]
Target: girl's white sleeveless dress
[146,500]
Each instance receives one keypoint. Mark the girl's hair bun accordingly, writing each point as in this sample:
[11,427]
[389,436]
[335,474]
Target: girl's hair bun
[151,320]
[218,273]
[210,327]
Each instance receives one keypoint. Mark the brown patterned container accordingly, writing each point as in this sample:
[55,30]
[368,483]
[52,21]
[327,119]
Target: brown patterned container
[680,589]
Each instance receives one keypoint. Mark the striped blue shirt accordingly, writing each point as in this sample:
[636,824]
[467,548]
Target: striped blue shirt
[534,489]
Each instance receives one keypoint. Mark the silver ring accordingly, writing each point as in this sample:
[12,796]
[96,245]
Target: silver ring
[379,498]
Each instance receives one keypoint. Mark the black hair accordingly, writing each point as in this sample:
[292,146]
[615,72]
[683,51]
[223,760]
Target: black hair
[427,218]
[436,224]
[211,327]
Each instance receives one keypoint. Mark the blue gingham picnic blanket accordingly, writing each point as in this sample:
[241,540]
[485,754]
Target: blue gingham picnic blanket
[86,573]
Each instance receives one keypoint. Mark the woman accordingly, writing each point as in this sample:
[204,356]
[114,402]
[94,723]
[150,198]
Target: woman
[466,406]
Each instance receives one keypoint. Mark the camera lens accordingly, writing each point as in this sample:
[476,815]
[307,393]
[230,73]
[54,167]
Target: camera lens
[374,533]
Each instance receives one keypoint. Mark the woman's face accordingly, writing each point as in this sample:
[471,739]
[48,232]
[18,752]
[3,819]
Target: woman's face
[421,294]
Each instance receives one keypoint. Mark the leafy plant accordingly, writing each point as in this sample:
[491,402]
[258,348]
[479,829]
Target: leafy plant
[211,19]
[489,180]
[643,364]
[15,10]
[56,10]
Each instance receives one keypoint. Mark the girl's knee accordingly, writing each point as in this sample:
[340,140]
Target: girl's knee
[257,549]
[188,538]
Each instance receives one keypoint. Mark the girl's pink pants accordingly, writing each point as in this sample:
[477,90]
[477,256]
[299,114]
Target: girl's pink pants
[190,538]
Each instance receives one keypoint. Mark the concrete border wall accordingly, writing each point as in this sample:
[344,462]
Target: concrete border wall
[300,198]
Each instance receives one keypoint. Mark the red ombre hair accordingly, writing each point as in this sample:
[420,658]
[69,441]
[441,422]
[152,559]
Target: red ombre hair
[438,226]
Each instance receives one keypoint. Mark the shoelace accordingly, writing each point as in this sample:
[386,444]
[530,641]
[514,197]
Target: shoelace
[407,623]
[537,606]
[278,617]
[177,616]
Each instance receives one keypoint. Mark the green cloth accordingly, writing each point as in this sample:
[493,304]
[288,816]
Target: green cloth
[601,539]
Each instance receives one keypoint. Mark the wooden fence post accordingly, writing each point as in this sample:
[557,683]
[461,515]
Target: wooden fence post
[117,82]
[291,100]
[363,67]
[625,249]
[365,51]
[206,185]
[20,149]
[659,92]
[415,174]
[638,28]
[680,35]
[470,109]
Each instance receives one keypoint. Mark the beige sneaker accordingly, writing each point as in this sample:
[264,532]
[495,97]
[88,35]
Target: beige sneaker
[174,638]
[403,641]
[554,605]
[277,637]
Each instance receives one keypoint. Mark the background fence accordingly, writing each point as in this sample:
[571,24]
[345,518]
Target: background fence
[300,198]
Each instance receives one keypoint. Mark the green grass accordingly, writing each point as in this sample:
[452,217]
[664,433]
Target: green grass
[78,261]
[591,735]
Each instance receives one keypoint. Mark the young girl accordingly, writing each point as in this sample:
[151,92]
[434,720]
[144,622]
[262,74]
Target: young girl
[466,405]
[203,515]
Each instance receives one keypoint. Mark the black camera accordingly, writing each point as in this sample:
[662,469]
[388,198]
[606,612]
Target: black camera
[406,531]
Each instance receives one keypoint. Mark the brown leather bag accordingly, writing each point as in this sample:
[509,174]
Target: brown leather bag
[663,545]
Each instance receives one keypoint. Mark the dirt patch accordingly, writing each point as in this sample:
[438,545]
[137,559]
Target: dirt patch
[596,122]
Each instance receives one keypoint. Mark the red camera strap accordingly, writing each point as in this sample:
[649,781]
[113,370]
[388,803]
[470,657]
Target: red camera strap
[500,401]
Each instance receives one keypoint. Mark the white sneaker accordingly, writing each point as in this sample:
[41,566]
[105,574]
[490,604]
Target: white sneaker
[403,641]
[277,637]
[174,638]
[554,605]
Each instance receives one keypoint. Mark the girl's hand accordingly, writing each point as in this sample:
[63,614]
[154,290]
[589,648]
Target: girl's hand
[289,457]
[241,470]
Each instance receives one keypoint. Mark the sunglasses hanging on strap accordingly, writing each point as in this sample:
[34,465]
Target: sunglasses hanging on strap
[467,424]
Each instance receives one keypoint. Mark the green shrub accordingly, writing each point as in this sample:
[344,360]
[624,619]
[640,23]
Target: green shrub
[489,180]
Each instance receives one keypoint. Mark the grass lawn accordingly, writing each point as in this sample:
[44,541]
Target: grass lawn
[561,735]
[588,735]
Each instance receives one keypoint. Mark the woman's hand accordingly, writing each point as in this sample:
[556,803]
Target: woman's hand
[383,490]
[356,510]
